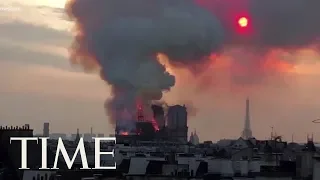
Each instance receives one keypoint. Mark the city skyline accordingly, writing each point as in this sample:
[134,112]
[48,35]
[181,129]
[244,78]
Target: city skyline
[246,132]
[38,85]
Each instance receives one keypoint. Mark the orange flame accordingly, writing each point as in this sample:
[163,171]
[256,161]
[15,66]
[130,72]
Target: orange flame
[155,124]
[124,133]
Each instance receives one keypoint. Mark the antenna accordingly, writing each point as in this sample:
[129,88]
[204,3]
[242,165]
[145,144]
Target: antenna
[271,133]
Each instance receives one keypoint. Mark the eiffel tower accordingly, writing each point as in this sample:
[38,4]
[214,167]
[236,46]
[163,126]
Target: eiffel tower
[247,133]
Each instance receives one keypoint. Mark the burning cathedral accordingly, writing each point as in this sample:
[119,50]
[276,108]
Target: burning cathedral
[166,124]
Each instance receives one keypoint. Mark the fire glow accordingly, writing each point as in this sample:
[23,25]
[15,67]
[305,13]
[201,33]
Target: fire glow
[140,117]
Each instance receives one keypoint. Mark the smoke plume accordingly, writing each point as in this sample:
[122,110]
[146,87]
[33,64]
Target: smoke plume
[124,37]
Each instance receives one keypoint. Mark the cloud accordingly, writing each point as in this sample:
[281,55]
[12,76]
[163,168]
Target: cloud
[19,31]
[29,43]
[34,59]
[35,13]
[26,56]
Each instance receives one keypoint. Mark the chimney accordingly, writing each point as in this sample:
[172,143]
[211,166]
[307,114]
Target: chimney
[46,130]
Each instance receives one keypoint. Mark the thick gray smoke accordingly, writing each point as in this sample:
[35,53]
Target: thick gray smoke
[124,38]
[286,23]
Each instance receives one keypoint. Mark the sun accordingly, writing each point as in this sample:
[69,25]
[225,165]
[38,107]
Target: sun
[243,22]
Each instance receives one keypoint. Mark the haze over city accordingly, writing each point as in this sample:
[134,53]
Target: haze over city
[38,83]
